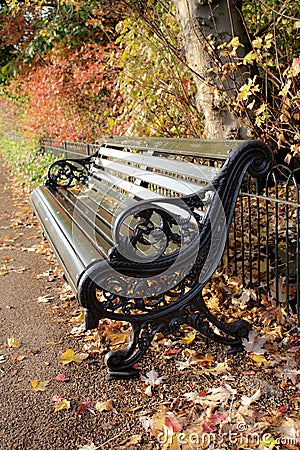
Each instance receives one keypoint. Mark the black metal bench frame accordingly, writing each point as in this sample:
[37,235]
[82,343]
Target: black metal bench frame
[160,292]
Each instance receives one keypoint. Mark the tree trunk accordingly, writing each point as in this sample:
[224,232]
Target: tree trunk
[206,25]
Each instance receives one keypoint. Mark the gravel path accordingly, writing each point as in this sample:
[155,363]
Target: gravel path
[38,313]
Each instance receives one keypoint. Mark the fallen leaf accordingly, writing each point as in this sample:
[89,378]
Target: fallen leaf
[172,351]
[45,298]
[182,365]
[56,398]
[147,423]
[69,356]
[254,343]
[39,386]
[217,417]
[294,349]
[63,404]
[152,379]
[214,396]
[104,406]
[89,446]
[18,358]
[62,378]
[219,369]
[131,441]
[246,401]
[289,428]
[188,338]
[208,428]
[268,442]
[172,422]
[85,406]
[283,409]
[259,359]
[249,373]
[118,338]
[289,373]
[11,342]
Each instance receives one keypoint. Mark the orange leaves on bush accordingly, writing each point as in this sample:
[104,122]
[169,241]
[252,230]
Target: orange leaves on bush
[65,97]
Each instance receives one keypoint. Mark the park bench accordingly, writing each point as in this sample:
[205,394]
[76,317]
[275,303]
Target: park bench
[139,227]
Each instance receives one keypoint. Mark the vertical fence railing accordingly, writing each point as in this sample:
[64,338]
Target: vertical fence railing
[264,244]
[68,149]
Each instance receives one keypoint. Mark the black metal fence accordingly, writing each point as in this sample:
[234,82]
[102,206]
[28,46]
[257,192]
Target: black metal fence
[263,248]
[68,149]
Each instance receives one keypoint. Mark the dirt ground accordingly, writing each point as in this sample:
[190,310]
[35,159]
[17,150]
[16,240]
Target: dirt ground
[48,405]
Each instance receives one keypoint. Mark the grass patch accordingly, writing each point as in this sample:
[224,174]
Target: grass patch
[26,160]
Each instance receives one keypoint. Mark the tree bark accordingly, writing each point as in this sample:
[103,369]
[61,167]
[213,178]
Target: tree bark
[206,25]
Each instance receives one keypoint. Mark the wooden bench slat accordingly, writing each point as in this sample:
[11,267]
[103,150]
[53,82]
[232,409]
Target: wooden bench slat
[119,184]
[211,149]
[172,167]
[175,185]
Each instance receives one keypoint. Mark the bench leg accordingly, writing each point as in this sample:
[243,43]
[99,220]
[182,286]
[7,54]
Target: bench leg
[121,362]
[192,311]
[201,319]
[91,319]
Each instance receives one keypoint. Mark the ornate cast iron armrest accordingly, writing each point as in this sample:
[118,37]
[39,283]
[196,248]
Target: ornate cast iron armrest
[155,224]
[69,172]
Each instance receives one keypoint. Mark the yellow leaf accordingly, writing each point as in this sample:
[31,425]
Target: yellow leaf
[39,385]
[18,358]
[69,356]
[11,342]
[104,406]
[188,338]
[64,404]
[118,338]
[259,359]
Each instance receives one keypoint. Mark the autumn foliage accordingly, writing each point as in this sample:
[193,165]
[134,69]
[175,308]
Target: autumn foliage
[80,70]
[69,97]
[55,66]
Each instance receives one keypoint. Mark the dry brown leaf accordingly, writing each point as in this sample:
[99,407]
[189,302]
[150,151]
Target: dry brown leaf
[104,406]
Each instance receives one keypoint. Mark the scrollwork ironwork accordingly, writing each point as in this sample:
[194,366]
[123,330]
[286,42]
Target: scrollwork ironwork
[69,173]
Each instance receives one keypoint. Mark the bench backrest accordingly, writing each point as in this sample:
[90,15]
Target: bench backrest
[127,170]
